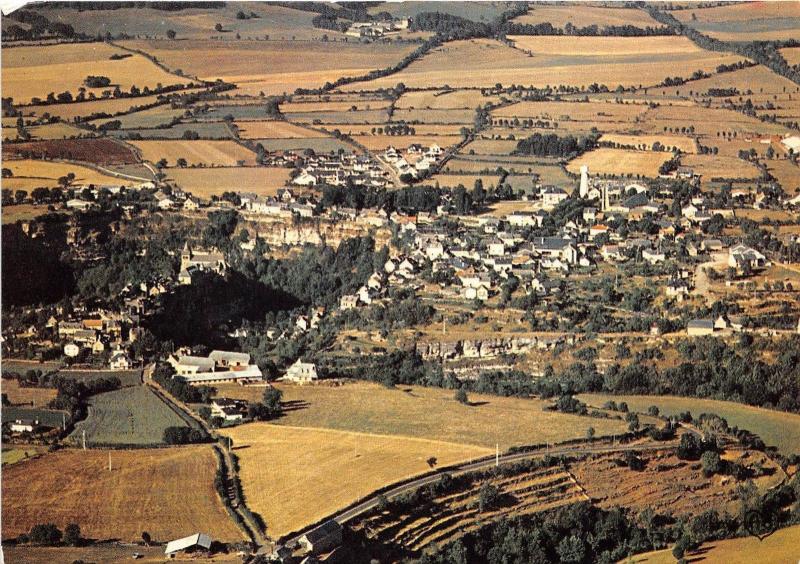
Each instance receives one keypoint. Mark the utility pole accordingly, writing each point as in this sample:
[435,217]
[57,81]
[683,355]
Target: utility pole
[497,455]
[84,439]
[109,461]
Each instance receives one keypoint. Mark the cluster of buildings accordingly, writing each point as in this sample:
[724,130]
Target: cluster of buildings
[379,28]
[417,161]
[218,367]
[341,169]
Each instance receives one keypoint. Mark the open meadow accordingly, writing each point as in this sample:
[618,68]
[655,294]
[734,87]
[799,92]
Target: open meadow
[428,413]
[776,428]
[30,72]
[145,490]
[275,130]
[294,476]
[207,182]
[23,212]
[19,395]
[128,416]
[588,15]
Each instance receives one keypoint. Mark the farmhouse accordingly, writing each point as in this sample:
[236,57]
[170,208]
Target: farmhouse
[324,538]
[219,366]
[192,543]
[230,410]
[700,327]
[743,257]
[301,372]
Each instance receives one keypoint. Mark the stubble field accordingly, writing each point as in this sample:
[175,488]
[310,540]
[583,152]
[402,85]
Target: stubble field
[201,152]
[207,182]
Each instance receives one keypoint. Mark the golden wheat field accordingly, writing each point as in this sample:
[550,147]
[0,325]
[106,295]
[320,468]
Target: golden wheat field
[29,174]
[207,182]
[200,152]
[607,111]
[792,55]
[588,15]
[485,62]
[444,99]
[619,162]
[37,397]
[36,71]
[606,46]
[718,166]
[275,130]
[145,490]
[294,476]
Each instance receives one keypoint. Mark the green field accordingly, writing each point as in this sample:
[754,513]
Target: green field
[318,145]
[126,377]
[209,130]
[22,452]
[776,428]
[128,416]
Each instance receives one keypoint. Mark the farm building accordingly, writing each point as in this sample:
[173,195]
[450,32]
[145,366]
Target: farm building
[700,327]
[219,366]
[192,543]
[324,538]
[301,372]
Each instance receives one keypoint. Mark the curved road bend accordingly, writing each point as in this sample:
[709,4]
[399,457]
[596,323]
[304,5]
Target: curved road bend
[372,501]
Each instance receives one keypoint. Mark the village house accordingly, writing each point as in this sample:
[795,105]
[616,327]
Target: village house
[301,372]
[700,327]
[742,257]
[323,538]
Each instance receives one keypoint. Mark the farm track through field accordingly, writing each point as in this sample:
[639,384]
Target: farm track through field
[234,500]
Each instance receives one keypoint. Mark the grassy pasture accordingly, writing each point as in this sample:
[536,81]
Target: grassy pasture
[776,428]
[347,117]
[35,71]
[475,11]
[685,144]
[758,79]
[435,116]
[467,180]
[29,174]
[428,413]
[489,147]
[12,214]
[108,106]
[207,182]
[485,62]
[572,111]
[620,162]
[312,472]
[126,377]
[128,416]
[201,152]
[55,131]
[145,490]
[586,15]
[778,548]
[335,106]
[153,117]
[275,130]
[419,128]
[273,67]
[20,395]
[206,130]
[20,453]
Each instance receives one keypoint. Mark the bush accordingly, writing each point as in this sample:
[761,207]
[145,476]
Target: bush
[47,534]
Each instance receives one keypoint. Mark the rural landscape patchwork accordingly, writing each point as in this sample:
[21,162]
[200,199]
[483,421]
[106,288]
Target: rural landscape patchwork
[401,282]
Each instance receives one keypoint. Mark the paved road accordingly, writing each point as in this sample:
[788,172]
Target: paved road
[371,502]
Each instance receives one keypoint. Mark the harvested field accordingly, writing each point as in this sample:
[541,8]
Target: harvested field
[435,116]
[274,130]
[792,55]
[758,79]
[587,15]
[610,484]
[778,548]
[786,173]
[128,416]
[775,428]
[30,72]
[707,121]
[35,397]
[97,554]
[429,413]
[56,131]
[144,491]
[685,144]
[620,162]
[573,111]
[201,152]
[204,182]
[316,471]
[287,65]
[485,62]
[29,174]
[365,117]
[101,151]
[716,166]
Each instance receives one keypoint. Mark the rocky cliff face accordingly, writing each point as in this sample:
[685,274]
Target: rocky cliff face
[487,348]
[287,233]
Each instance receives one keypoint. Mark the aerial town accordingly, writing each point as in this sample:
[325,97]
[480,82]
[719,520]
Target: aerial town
[418,282]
